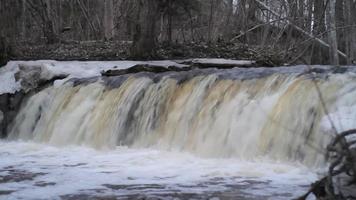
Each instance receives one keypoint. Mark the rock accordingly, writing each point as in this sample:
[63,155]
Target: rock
[3,110]
[29,76]
[32,77]
[9,106]
[1,116]
[1,124]
[143,68]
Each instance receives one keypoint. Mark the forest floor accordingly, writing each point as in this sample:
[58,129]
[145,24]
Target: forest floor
[100,50]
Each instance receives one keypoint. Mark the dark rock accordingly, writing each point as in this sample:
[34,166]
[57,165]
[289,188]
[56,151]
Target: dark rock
[83,81]
[44,184]
[14,175]
[6,192]
[9,106]
[1,116]
[3,109]
[143,68]
[339,70]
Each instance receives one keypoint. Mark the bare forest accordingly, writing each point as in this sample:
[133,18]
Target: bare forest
[274,31]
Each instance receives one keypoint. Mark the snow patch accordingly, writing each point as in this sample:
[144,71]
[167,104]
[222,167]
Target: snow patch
[8,83]
[72,69]
[217,61]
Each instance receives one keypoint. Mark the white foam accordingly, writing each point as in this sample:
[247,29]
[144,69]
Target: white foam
[123,166]
[343,112]
[8,83]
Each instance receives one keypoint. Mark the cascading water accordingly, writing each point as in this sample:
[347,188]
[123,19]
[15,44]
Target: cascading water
[277,115]
[245,114]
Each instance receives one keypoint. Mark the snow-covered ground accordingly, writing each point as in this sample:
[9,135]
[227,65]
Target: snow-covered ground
[72,69]
[123,172]
[218,61]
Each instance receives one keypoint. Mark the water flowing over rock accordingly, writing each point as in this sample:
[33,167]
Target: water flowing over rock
[234,113]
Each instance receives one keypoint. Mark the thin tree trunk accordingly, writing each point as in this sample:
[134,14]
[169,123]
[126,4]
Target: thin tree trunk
[230,10]
[108,19]
[351,42]
[334,57]
[211,18]
[170,18]
[49,29]
[24,17]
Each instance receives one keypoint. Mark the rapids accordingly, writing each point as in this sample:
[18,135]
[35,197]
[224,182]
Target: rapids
[230,116]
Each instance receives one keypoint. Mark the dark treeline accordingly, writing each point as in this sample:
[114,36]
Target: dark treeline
[309,31]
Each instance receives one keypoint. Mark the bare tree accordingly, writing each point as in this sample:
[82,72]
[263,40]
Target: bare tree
[108,19]
[144,38]
[334,57]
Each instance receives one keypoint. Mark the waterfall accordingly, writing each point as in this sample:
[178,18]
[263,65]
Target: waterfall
[234,113]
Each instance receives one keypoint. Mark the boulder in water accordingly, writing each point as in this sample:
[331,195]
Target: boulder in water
[1,118]
[9,106]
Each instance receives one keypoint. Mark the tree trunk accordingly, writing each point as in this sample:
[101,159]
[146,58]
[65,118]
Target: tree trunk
[170,18]
[108,19]
[3,50]
[351,36]
[227,31]
[211,20]
[334,57]
[24,17]
[48,27]
[144,39]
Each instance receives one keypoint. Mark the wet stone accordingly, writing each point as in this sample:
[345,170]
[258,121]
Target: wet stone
[44,184]
[75,165]
[134,187]
[15,175]
[86,197]
[6,192]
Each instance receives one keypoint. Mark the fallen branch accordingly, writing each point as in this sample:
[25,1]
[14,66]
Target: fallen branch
[254,28]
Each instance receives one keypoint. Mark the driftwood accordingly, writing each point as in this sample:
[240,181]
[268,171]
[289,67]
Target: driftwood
[342,157]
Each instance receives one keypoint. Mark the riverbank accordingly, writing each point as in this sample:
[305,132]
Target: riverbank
[119,50]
